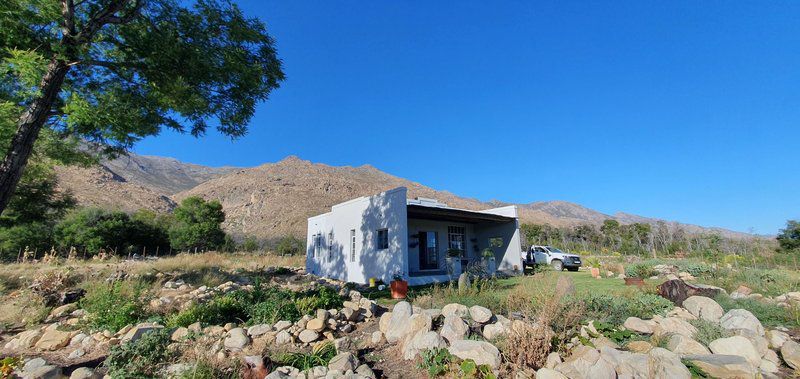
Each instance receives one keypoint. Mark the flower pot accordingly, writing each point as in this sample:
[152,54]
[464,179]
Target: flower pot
[399,289]
[490,265]
[634,282]
[595,272]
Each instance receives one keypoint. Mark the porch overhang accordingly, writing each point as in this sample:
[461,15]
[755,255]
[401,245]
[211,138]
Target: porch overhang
[452,214]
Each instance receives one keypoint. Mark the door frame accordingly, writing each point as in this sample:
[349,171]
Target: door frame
[424,256]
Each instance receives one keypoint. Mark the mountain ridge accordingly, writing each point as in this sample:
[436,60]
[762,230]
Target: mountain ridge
[271,200]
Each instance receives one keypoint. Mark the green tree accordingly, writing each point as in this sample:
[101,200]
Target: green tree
[114,71]
[93,229]
[289,245]
[197,225]
[789,237]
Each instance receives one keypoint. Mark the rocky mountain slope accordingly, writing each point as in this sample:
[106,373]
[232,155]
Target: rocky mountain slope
[275,199]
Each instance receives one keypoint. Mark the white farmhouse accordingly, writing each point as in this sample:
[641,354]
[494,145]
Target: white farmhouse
[386,234]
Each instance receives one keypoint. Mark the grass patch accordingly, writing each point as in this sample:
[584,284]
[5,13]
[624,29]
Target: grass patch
[614,310]
[114,305]
[708,331]
[142,358]
[320,355]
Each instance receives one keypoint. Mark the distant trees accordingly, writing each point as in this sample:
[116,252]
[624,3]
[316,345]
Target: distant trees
[289,245]
[197,225]
[789,237]
[94,229]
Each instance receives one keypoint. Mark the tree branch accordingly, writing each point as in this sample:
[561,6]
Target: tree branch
[108,15]
[68,11]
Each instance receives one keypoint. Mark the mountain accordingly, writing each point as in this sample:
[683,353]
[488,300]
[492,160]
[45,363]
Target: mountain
[275,199]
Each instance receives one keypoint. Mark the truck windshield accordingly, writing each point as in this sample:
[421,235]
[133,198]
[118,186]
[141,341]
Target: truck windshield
[554,250]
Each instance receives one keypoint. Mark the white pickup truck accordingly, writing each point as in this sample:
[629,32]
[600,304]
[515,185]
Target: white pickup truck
[548,255]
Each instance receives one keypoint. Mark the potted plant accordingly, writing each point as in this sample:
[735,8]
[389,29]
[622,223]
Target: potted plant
[636,273]
[594,266]
[488,257]
[454,262]
[398,286]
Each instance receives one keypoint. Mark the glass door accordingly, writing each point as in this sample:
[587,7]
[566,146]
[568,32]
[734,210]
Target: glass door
[428,251]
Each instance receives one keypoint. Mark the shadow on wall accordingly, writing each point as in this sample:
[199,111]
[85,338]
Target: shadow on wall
[384,211]
[329,258]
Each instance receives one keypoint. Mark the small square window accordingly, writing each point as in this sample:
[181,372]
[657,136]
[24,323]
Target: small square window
[383,239]
[496,242]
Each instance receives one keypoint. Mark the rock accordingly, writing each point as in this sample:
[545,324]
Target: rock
[42,372]
[479,351]
[308,336]
[741,292]
[383,322]
[790,352]
[547,373]
[179,334]
[77,353]
[365,372]
[743,322]
[316,325]
[282,325]
[343,362]
[768,366]
[197,327]
[585,362]
[776,338]
[27,339]
[736,345]
[681,313]
[84,373]
[421,342]
[53,340]
[493,331]
[463,282]
[639,346]
[682,345]
[455,309]
[553,359]
[397,327]
[417,324]
[259,330]
[665,364]
[62,311]
[480,314]
[283,337]
[704,308]
[236,340]
[377,337]
[673,325]
[723,366]
[453,328]
[677,290]
[638,325]
[138,331]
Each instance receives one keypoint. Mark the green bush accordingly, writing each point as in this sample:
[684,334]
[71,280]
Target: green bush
[708,331]
[615,309]
[93,229]
[205,370]
[114,305]
[218,311]
[197,225]
[142,358]
[770,315]
[640,270]
[250,245]
[320,356]
[436,361]
[289,245]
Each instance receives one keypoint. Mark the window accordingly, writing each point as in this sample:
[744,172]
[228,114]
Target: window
[317,243]
[455,238]
[352,245]
[330,245]
[383,239]
[496,242]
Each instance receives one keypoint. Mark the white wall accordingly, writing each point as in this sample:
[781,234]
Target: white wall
[365,215]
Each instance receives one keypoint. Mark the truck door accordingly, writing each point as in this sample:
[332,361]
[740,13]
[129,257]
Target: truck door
[540,255]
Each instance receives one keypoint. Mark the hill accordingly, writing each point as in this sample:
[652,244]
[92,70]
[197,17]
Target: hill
[275,199]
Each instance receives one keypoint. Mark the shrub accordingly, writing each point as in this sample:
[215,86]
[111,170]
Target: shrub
[93,229]
[470,369]
[250,245]
[197,225]
[436,361]
[142,358]
[205,370]
[218,311]
[770,315]
[289,245]
[640,270]
[708,331]
[114,305]
[320,355]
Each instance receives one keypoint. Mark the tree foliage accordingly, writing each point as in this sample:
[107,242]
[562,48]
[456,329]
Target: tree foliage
[289,245]
[197,225]
[789,237]
[114,71]
[93,229]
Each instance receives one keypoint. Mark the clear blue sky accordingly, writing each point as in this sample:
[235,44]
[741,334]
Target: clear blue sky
[682,110]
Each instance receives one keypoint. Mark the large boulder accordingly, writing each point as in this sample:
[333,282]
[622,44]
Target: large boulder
[308,336]
[673,325]
[139,330]
[585,362]
[53,339]
[638,325]
[236,339]
[316,324]
[546,373]
[677,290]
[453,328]
[422,342]
[741,321]
[703,308]
[680,344]
[723,366]
[483,353]
[665,364]
[493,331]
[736,345]
[343,362]
[790,352]
[455,309]
[398,323]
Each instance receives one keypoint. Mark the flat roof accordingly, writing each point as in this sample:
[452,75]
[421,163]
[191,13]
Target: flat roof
[453,214]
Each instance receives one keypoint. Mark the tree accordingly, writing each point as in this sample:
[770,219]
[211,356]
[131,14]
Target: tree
[95,229]
[197,225]
[289,245]
[111,72]
[789,237]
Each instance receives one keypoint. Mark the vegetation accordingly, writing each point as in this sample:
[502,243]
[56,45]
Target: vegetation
[197,225]
[105,72]
[289,245]
[143,358]
[708,331]
[436,361]
[93,230]
[113,306]
[320,355]
[640,270]
[789,238]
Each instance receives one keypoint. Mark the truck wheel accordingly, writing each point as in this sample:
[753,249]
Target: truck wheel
[557,265]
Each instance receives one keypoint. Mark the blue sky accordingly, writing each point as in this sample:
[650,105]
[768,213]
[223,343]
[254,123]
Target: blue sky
[682,110]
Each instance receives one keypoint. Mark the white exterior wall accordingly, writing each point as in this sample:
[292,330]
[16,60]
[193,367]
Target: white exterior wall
[365,215]
[507,256]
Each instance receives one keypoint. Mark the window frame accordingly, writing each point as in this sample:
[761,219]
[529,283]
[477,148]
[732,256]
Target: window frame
[352,245]
[382,243]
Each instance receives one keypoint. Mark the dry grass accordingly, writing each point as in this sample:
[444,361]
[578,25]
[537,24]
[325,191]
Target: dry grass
[234,261]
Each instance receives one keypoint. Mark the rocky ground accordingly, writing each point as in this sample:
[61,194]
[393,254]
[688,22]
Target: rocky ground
[373,341]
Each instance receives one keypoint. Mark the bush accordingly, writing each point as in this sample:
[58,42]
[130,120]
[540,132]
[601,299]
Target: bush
[113,306]
[142,358]
[250,245]
[770,315]
[93,229]
[615,309]
[640,270]
[320,355]
[708,331]
[205,370]
[289,245]
[436,361]
[218,311]
[197,225]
